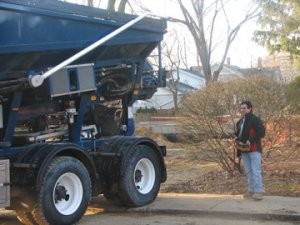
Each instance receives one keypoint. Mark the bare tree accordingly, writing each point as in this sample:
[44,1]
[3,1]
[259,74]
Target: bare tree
[210,115]
[90,3]
[194,19]
[112,5]
[174,58]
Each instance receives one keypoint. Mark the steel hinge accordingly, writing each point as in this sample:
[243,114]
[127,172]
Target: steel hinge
[4,184]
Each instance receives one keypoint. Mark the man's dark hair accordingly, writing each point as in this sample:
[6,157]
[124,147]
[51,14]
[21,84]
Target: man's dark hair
[248,103]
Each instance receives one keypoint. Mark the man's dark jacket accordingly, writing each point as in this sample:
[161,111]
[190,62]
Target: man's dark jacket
[253,130]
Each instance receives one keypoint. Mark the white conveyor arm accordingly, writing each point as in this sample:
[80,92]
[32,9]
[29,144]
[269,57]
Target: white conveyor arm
[37,80]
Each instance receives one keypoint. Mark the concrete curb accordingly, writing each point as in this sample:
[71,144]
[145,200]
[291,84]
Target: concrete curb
[222,214]
[211,205]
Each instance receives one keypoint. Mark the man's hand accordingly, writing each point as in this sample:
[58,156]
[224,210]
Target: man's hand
[237,160]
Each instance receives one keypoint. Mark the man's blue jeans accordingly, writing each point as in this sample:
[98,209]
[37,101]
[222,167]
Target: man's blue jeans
[252,166]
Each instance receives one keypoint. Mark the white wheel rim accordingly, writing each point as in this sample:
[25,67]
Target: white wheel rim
[72,187]
[144,176]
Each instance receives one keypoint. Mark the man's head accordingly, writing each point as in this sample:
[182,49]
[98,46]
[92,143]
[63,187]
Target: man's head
[245,107]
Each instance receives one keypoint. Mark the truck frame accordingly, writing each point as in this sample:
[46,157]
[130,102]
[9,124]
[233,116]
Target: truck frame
[69,75]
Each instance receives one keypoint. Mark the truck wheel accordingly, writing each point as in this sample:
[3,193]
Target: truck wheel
[140,181]
[64,194]
[25,217]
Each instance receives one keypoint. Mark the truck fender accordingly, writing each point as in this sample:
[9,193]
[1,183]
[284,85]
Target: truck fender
[40,155]
[123,146]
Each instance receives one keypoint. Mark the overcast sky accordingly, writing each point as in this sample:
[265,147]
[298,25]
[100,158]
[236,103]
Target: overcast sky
[243,52]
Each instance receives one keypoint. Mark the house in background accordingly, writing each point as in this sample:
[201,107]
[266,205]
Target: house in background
[229,72]
[192,80]
[189,80]
[273,73]
[283,61]
[163,98]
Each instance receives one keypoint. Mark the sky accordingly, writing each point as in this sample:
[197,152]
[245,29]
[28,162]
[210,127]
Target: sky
[243,51]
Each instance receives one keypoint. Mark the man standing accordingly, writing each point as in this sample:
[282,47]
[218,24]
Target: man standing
[250,130]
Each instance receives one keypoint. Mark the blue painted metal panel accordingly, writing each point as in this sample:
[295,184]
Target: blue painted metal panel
[76,128]
[38,36]
[13,116]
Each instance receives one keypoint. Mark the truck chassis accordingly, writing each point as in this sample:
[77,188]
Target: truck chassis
[66,121]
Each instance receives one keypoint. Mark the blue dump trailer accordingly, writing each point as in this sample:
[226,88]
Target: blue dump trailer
[69,75]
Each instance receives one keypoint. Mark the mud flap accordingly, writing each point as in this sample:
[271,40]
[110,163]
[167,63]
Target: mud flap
[4,184]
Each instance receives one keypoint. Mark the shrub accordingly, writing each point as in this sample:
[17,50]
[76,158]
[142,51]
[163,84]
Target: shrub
[210,115]
[293,93]
[146,110]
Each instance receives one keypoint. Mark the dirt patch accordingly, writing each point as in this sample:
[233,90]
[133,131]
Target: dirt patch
[189,176]
[281,172]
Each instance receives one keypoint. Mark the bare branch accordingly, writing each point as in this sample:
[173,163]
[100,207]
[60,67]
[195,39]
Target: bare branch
[194,20]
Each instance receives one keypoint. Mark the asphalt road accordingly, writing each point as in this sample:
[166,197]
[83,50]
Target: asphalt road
[189,209]
[140,219]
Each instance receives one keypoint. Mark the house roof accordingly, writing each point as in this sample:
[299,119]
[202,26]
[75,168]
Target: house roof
[194,72]
[271,72]
[190,79]
[228,72]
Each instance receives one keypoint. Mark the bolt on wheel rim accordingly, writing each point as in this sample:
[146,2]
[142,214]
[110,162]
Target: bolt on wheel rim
[68,193]
[144,176]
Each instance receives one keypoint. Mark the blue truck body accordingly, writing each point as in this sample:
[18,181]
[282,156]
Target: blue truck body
[73,134]
[41,34]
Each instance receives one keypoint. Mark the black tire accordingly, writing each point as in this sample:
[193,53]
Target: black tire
[141,177]
[65,192]
[113,198]
[25,217]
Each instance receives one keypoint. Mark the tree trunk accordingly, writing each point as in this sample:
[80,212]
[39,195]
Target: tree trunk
[111,5]
[122,6]
[90,3]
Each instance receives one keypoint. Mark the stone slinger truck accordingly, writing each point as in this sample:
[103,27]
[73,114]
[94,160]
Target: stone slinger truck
[69,75]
